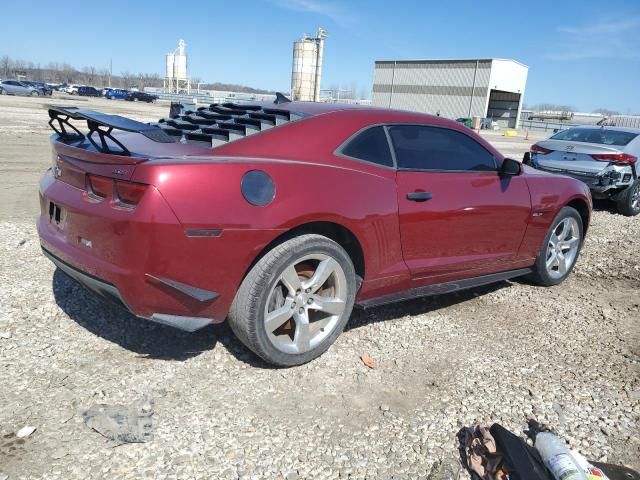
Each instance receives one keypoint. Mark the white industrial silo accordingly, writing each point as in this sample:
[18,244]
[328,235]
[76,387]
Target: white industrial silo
[180,62]
[170,60]
[306,71]
[177,76]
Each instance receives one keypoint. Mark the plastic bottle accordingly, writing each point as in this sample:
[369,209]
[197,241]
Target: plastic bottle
[557,457]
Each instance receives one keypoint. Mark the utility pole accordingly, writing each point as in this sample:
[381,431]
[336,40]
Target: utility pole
[110,70]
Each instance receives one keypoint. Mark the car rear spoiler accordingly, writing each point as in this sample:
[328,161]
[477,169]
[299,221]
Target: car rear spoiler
[102,125]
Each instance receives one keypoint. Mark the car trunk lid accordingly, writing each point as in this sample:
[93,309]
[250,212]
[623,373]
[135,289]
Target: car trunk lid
[574,156]
[71,164]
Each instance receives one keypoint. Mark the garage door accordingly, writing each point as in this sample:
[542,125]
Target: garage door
[503,108]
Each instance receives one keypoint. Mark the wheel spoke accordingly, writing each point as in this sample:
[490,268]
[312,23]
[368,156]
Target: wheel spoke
[302,337]
[291,280]
[552,261]
[322,273]
[275,319]
[329,305]
[568,244]
[565,230]
[562,263]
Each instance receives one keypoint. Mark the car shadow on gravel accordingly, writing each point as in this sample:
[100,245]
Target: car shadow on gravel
[146,338]
[603,205]
[417,306]
[156,341]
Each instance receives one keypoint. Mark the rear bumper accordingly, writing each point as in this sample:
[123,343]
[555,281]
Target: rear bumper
[109,292]
[144,259]
[607,182]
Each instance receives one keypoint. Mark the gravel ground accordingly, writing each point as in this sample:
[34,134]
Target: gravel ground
[568,356]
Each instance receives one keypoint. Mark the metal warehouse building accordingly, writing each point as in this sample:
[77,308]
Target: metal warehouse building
[487,88]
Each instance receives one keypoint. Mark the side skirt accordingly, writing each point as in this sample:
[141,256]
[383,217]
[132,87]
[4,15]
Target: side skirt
[442,288]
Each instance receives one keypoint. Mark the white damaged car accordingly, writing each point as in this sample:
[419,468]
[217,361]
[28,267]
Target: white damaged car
[605,158]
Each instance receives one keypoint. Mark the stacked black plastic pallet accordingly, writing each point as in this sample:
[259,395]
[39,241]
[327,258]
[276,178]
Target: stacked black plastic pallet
[221,123]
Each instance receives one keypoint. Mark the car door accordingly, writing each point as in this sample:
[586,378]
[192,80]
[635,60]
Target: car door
[23,88]
[456,213]
[12,87]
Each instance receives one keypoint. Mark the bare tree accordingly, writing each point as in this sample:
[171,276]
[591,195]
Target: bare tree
[127,79]
[552,107]
[606,112]
[90,74]
[5,66]
[103,76]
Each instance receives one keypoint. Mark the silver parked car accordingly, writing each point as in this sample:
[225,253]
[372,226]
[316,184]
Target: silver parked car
[605,158]
[14,87]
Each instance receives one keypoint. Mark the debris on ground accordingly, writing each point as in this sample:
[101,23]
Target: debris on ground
[368,361]
[25,431]
[491,452]
[447,469]
[131,423]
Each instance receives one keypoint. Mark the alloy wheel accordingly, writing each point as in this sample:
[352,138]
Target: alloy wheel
[305,303]
[562,248]
[635,197]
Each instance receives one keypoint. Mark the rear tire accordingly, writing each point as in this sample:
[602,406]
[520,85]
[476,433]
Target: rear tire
[2,92]
[560,250]
[628,203]
[295,301]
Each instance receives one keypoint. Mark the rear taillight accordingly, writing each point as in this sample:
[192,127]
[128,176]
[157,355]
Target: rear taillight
[615,157]
[125,194]
[538,149]
[100,186]
[129,193]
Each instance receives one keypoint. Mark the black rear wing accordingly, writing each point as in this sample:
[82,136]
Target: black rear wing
[211,126]
[102,126]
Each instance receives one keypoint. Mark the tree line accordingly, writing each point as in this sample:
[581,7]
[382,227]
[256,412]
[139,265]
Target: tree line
[56,72]
[555,107]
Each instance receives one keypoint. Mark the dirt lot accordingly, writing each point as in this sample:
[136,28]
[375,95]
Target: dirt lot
[568,356]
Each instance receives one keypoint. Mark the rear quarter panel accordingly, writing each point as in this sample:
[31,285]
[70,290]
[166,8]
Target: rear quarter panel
[206,193]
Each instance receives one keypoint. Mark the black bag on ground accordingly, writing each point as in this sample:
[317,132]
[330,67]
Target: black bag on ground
[521,461]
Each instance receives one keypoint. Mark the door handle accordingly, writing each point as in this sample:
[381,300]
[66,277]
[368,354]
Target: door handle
[419,196]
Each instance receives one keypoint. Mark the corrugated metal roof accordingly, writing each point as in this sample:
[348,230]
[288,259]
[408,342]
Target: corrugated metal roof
[448,60]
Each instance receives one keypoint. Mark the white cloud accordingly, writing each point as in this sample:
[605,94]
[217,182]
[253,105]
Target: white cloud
[609,38]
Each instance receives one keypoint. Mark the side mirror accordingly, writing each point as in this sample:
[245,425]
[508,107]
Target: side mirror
[510,168]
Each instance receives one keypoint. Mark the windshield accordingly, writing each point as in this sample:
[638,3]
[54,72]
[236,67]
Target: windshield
[596,135]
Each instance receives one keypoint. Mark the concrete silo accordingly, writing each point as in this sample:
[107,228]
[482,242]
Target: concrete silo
[306,71]
[177,77]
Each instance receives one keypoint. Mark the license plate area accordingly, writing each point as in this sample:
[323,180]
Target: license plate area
[55,213]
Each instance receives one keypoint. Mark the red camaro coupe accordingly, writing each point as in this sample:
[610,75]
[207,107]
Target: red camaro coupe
[281,217]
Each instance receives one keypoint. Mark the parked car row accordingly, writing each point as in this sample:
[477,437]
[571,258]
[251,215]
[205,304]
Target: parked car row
[129,95]
[30,88]
[24,87]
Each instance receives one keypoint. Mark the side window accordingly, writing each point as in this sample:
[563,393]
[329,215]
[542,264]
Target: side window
[370,146]
[435,148]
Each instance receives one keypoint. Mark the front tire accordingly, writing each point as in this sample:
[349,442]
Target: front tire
[628,203]
[295,301]
[560,249]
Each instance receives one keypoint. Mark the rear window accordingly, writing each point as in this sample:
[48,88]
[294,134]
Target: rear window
[596,135]
[371,146]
